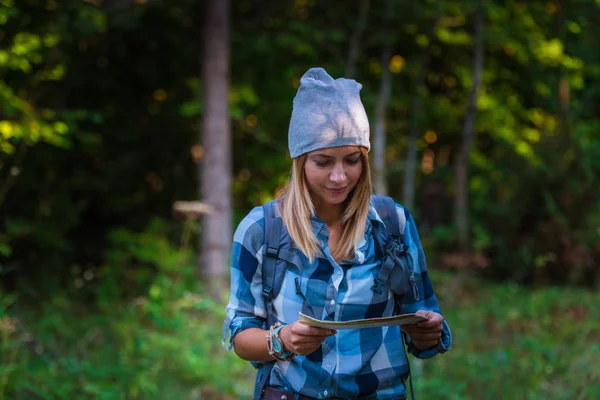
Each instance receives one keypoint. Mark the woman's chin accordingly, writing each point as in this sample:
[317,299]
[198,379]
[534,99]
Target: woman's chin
[336,199]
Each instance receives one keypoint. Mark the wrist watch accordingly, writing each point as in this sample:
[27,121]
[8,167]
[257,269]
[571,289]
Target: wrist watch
[275,344]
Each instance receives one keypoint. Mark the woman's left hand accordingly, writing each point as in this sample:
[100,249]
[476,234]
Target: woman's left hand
[426,334]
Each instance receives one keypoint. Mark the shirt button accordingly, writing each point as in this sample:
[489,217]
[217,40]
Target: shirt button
[332,302]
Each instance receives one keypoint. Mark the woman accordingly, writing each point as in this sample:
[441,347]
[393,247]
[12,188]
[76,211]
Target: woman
[328,213]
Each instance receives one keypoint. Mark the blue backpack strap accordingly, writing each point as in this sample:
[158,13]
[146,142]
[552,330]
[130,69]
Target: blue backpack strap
[392,250]
[394,226]
[277,257]
[269,264]
[386,209]
[275,261]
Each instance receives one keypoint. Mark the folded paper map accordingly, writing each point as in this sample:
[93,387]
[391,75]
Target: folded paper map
[404,319]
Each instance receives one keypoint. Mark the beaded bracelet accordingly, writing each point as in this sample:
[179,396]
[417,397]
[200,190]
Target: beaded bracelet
[275,346]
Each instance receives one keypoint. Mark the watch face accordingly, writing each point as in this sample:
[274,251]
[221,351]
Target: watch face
[277,344]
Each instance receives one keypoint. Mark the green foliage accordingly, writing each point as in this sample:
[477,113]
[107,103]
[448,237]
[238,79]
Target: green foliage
[99,121]
[31,64]
[120,159]
[155,337]
[514,342]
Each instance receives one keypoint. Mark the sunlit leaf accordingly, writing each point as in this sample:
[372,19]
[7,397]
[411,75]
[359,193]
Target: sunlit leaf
[6,129]
[60,127]
[531,134]
[536,116]
[524,149]
[574,27]
[396,64]
[542,88]
[550,52]
[422,40]
[453,37]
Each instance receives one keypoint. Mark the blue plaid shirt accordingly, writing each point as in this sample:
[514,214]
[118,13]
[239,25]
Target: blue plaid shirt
[356,363]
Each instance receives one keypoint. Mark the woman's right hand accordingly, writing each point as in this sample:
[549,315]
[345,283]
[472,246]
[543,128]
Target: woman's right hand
[303,339]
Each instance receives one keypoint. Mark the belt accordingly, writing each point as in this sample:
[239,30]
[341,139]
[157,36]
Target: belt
[270,393]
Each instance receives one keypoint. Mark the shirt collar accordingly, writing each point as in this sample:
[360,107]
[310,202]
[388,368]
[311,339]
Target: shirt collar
[319,226]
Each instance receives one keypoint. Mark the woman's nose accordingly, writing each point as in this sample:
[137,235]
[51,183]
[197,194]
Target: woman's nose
[338,174]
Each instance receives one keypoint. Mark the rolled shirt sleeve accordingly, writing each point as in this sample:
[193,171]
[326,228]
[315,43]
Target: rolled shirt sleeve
[246,308]
[426,299]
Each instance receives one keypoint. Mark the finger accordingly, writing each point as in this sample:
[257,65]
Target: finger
[408,326]
[297,342]
[430,324]
[424,313]
[425,344]
[426,337]
[305,348]
[438,328]
[310,340]
[307,330]
[434,319]
[428,314]
[412,328]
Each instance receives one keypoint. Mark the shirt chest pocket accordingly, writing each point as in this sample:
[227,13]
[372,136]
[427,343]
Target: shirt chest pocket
[288,302]
[360,300]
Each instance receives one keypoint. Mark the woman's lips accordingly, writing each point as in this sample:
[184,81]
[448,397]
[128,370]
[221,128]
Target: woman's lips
[337,191]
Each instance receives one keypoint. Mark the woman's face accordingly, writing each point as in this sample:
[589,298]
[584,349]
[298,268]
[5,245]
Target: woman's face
[332,173]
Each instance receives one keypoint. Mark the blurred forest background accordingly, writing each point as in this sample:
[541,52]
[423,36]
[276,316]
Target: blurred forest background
[485,123]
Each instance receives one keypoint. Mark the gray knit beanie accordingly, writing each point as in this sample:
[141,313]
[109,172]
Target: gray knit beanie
[327,113]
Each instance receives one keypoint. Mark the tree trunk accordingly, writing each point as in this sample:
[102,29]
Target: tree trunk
[354,48]
[379,140]
[410,164]
[215,168]
[461,209]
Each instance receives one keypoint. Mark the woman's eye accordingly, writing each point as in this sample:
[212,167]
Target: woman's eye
[321,163]
[353,161]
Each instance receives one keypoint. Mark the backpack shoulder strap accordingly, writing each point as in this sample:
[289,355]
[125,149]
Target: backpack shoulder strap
[277,257]
[273,225]
[394,225]
[386,208]
[269,264]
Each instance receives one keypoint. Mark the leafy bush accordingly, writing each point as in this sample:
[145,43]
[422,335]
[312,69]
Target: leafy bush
[161,340]
[516,343]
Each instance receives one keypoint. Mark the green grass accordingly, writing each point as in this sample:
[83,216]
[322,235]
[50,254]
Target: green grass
[510,342]
[514,342]
[145,349]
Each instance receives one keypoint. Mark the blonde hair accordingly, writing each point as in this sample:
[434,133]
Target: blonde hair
[297,209]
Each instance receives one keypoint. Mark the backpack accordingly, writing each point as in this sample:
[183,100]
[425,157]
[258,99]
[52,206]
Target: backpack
[278,255]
